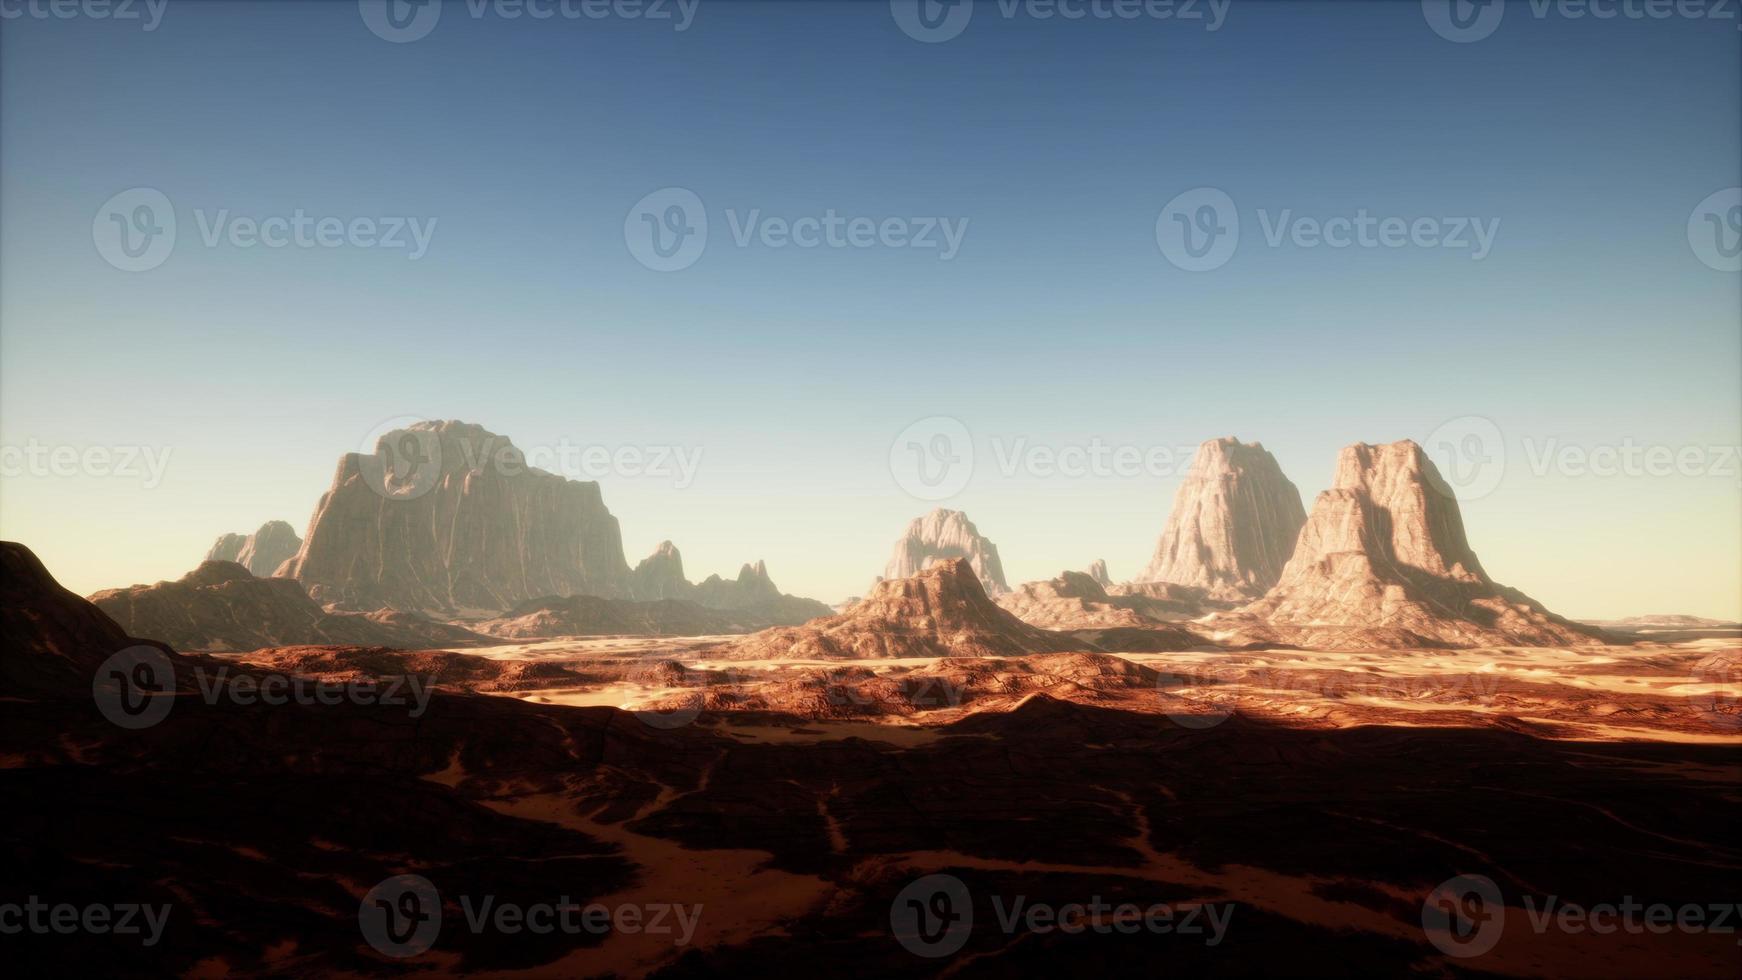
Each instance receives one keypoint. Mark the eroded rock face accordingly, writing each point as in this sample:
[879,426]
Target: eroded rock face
[1234,523]
[585,615]
[221,606]
[1098,572]
[1385,552]
[941,611]
[447,515]
[261,552]
[945,534]
[660,576]
[1075,601]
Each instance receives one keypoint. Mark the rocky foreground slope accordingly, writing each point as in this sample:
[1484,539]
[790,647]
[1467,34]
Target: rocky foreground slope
[1233,526]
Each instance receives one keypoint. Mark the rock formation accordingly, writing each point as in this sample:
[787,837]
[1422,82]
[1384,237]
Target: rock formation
[220,606]
[54,640]
[261,552]
[1076,601]
[448,516]
[660,575]
[944,534]
[1233,526]
[941,611]
[585,615]
[1098,572]
[1384,550]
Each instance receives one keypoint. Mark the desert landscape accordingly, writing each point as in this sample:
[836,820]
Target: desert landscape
[1282,753]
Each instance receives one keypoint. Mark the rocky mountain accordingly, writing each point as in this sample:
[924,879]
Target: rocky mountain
[1098,572]
[261,552]
[661,576]
[945,534]
[1385,552]
[448,516]
[1076,601]
[220,606]
[940,611]
[1234,523]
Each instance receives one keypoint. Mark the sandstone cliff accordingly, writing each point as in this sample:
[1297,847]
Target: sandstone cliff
[1233,525]
[446,515]
[944,534]
[261,552]
[1384,552]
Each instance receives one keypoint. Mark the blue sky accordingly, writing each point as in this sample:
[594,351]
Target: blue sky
[1590,323]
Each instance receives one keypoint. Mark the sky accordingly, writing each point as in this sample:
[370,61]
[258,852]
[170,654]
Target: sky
[1509,240]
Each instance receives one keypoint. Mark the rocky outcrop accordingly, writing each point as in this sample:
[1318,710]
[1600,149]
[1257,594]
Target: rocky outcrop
[945,534]
[1075,601]
[261,552]
[585,615]
[1384,552]
[660,575]
[1098,572]
[53,640]
[1234,523]
[941,611]
[448,516]
[220,606]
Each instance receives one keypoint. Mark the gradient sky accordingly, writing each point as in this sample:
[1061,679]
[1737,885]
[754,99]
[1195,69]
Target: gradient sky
[1592,322]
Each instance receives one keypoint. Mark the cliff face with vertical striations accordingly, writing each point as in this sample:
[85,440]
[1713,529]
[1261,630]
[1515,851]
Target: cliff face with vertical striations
[1234,523]
[446,515]
[261,552]
[945,534]
[1385,550]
